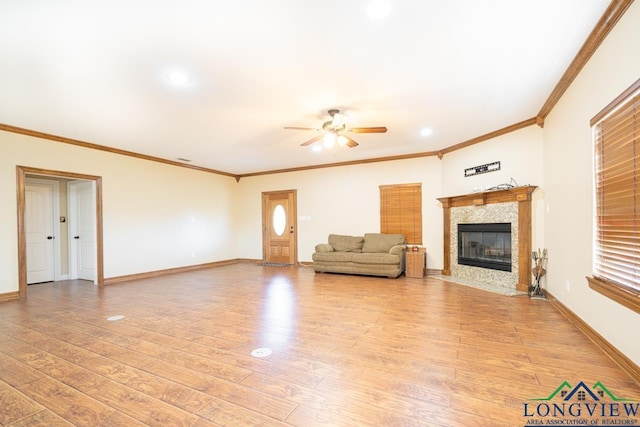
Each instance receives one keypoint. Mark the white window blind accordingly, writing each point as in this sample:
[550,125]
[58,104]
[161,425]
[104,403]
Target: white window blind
[401,211]
[617,169]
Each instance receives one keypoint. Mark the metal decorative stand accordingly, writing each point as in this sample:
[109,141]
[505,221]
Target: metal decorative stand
[539,260]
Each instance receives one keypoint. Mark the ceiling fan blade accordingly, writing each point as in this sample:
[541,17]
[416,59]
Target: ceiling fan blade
[378,129]
[312,140]
[299,128]
[351,143]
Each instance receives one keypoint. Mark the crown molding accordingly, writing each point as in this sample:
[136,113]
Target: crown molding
[76,142]
[607,21]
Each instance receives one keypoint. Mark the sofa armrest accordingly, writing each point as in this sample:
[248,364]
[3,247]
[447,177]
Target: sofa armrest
[324,247]
[398,249]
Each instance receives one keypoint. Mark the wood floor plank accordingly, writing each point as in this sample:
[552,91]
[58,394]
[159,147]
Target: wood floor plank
[347,351]
[228,414]
[64,361]
[284,390]
[15,373]
[220,388]
[14,405]
[432,415]
[46,363]
[218,410]
[252,400]
[433,393]
[44,418]
[143,407]
[304,416]
[503,389]
[176,394]
[67,402]
[492,413]
[252,364]
[205,365]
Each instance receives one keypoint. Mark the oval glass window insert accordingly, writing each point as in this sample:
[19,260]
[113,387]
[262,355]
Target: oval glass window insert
[279,220]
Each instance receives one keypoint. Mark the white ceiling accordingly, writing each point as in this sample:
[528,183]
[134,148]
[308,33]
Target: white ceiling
[98,71]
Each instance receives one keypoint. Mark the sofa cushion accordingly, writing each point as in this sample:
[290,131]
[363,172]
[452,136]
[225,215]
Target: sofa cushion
[324,247]
[375,258]
[332,256]
[381,243]
[342,243]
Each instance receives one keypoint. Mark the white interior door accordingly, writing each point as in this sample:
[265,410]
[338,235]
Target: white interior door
[82,220]
[39,230]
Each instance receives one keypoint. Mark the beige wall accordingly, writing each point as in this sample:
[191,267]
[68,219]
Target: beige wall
[520,155]
[342,200]
[346,200]
[568,175]
[156,216]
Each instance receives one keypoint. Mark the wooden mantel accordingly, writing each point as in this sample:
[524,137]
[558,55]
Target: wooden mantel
[522,195]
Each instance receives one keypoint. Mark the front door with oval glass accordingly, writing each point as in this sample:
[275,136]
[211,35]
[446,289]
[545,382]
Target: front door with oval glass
[279,227]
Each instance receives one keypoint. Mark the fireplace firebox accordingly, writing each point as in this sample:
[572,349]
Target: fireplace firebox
[486,245]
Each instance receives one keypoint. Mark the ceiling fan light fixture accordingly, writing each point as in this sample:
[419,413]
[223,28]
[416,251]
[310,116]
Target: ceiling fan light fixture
[332,132]
[329,140]
[339,120]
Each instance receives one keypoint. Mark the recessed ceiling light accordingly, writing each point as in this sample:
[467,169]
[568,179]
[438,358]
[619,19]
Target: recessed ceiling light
[378,9]
[426,131]
[178,78]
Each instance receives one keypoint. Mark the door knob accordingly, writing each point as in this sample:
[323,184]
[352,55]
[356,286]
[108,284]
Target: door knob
[76,237]
[49,237]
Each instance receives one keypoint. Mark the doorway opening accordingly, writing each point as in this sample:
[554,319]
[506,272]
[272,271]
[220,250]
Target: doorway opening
[79,244]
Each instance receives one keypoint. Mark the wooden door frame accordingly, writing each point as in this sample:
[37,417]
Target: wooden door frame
[295,221]
[21,176]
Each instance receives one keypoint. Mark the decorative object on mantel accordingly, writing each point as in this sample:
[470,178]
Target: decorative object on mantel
[539,259]
[477,170]
[504,186]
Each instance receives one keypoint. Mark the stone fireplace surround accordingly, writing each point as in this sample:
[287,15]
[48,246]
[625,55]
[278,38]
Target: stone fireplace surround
[512,205]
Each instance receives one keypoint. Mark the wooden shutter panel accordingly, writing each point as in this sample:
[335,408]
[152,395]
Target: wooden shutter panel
[401,211]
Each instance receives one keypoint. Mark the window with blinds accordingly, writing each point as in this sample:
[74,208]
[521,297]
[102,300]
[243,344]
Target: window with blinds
[617,174]
[401,211]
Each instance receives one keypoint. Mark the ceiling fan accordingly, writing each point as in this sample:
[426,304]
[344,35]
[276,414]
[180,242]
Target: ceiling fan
[334,131]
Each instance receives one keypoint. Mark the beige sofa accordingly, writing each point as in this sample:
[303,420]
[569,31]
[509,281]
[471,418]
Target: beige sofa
[374,254]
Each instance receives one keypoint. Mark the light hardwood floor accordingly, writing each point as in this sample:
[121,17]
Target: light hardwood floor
[347,351]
